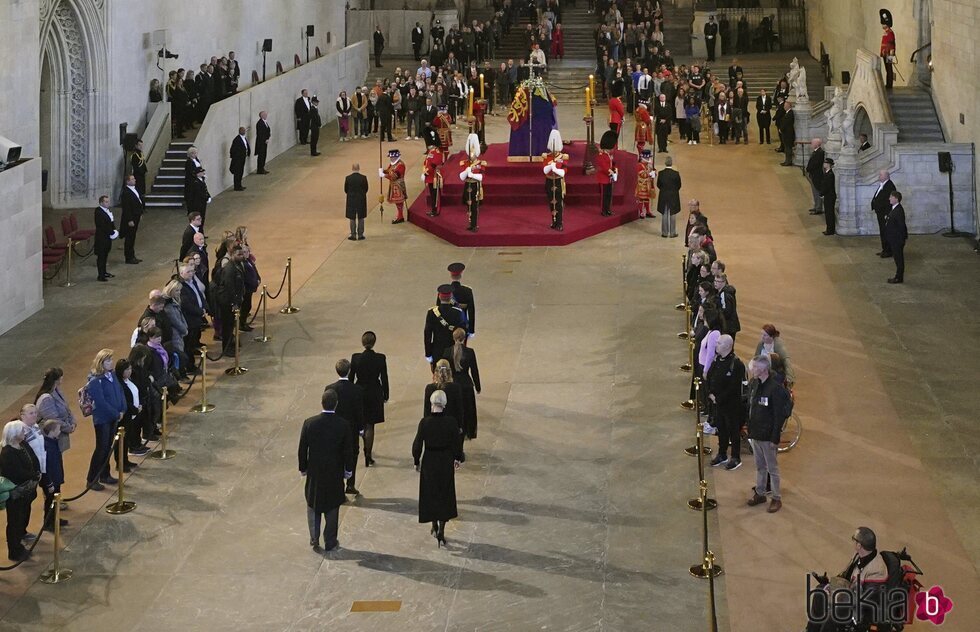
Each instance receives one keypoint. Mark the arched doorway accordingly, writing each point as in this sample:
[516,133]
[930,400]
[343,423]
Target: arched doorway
[73,101]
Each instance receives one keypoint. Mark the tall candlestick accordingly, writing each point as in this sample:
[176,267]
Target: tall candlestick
[587,104]
[481,86]
[470,104]
[592,85]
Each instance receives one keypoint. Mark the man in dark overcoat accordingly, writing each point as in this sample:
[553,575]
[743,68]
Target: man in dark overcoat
[356,188]
[669,200]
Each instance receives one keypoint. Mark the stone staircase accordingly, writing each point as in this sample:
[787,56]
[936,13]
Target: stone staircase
[576,22]
[677,29]
[764,70]
[167,191]
[915,116]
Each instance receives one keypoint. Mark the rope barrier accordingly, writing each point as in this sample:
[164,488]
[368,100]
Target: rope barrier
[57,270]
[91,249]
[258,308]
[281,285]
[48,517]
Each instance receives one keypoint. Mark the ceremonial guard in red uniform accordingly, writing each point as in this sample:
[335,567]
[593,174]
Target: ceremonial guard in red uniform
[555,163]
[472,177]
[443,126]
[432,177]
[616,112]
[646,177]
[395,174]
[644,126]
[605,170]
[479,122]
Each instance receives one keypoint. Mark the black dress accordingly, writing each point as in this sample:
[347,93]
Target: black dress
[468,379]
[454,402]
[436,447]
[369,370]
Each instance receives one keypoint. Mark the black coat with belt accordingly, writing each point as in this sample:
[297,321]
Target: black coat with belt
[351,403]
[436,447]
[132,210]
[326,451]
[356,188]
[103,230]
[369,370]
[669,183]
[239,153]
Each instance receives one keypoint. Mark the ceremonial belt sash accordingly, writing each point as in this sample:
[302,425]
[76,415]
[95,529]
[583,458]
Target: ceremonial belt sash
[435,310]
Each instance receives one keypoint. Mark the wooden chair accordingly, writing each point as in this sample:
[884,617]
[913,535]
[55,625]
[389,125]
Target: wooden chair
[79,234]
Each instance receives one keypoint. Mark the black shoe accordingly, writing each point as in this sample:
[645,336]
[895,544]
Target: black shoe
[110,275]
[368,462]
[239,188]
[315,544]
[140,451]
[314,153]
[96,486]
[360,238]
[352,490]
[128,468]
[829,232]
[885,255]
[720,459]
[262,173]
[352,238]
[133,261]
[19,556]
[246,328]
[102,279]
[109,480]
[895,280]
[786,164]
[327,547]
[398,220]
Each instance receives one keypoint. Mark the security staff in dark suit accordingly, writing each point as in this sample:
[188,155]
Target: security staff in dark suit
[263,131]
[198,196]
[763,115]
[350,406]
[239,153]
[379,45]
[138,165]
[302,111]
[193,305]
[896,234]
[438,33]
[194,224]
[711,36]
[105,232]
[814,172]
[326,458]
[191,165]
[133,206]
[440,323]
[315,125]
[881,207]
[829,192]
[463,296]
[787,132]
[231,293]
[418,37]
[356,188]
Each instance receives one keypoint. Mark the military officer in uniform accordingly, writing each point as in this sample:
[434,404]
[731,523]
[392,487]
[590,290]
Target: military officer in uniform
[605,170]
[646,177]
[463,296]
[432,177]
[440,323]
[395,174]
[472,178]
[554,173]
[138,164]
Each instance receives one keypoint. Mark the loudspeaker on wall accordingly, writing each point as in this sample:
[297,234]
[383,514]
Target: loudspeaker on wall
[945,162]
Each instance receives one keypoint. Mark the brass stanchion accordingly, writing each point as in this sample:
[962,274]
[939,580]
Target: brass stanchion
[56,574]
[238,369]
[163,453]
[68,283]
[121,506]
[698,447]
[204,406]
[707,568]
[709,565]
[680,306]
[688,404]
[689,365]
[289,309]
[687,334]
[701,500]
[265,299]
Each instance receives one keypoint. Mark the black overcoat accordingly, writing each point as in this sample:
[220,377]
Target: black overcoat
[435,448]
[326,451]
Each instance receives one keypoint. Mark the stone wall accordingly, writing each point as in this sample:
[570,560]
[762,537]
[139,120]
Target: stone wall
[20,243]
[20,74]
[395,25]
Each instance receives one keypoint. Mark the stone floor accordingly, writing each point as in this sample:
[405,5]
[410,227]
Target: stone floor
[573,498]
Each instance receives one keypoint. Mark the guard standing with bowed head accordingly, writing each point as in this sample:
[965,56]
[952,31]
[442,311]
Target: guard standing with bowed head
[554,179]
[606,173]
[472,178]
[432,176]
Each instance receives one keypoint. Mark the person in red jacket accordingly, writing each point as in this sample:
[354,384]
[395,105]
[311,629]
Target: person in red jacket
[605,170]
[644,126]
[432,178]
[616,114]
[395,174]
[888,54]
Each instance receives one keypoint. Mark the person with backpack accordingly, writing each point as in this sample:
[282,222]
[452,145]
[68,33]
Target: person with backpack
[108,408]
[769,406]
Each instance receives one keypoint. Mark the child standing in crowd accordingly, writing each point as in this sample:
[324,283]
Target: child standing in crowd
[54,477]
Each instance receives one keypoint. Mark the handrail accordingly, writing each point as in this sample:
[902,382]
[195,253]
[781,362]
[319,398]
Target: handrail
[918,50]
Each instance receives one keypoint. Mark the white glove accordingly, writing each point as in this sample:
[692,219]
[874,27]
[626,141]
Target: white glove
[423,177]
[471,335]
[613,177]
[114,235]
[559,172]
[209,200]
[477,176]
[381,172]
[464,174]
[549,168]
[428,359]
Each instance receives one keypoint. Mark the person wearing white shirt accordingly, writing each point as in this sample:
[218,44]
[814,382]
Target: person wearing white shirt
[105,232]
[133,206]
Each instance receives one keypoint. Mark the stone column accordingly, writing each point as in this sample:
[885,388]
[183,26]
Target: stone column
[802,113]
[849,217]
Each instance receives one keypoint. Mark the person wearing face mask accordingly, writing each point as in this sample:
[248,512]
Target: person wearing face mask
[105,232]
[110,406]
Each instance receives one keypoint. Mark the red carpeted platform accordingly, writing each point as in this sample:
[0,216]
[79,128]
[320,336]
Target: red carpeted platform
[515,209]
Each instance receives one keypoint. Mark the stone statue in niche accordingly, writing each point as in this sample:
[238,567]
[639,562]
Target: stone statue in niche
[797,80]
[836,114]
[847,127]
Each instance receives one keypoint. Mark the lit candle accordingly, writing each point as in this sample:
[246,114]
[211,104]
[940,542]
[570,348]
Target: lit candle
[470,110]
[481,85]
[592,85]
[587,104]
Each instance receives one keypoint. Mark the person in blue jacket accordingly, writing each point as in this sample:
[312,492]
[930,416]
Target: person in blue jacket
[110,406]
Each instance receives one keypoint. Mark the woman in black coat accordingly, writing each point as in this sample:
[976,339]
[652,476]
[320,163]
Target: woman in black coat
[369,370]
[442,380]
[437,451]
[467,375]
[20,466]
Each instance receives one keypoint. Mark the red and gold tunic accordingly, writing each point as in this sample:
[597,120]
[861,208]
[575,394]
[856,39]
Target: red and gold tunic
[646,177]
[605,166]
[644,126]
[616,113]
[430,167]
[443,126]
[395,174]
[471,185]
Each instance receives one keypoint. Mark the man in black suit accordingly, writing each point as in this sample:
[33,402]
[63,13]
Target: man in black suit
[711,36]
[828,191]
[198,196]
[440,323]
[240,151]
[132,210]
[205,91]
[263,131]
[356,188]
[326,458]
[191,165]
[729,307]
[379,45]
[463,296]
[204,269]
[138,164]
[386,112]
[881,206]
[315,125]
[193,305]
[814,173]
[865,145]
[669,200]
[763,115]
[787,132]
[662,115]
[105,232]
[302,111]
[194,224]
[231,294]
[418,37]
[896,234]
[350,406]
